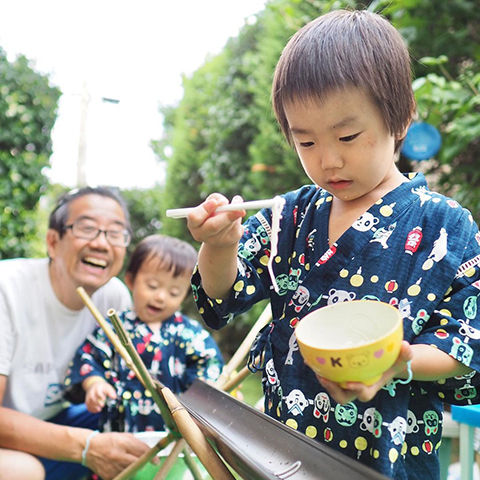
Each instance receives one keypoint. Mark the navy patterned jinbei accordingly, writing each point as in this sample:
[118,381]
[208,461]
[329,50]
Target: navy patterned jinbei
[414,249]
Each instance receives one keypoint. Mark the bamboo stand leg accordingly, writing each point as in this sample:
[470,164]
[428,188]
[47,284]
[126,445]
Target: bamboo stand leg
[191,464]
[244,347]
[236,380]
[133,468]
[170,460]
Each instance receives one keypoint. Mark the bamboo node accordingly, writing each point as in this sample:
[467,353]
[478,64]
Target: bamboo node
[176,409]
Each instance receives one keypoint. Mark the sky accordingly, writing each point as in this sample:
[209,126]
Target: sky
[133,52]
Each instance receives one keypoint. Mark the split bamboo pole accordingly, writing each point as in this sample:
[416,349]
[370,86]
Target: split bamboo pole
[188,458]
[175,415]
[196,439]
[235,381]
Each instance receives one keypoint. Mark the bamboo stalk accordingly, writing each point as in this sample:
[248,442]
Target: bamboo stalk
[134,467]
[187,453]
[236,380]
[244,348]
[142,370]
[195,438]
[108,331]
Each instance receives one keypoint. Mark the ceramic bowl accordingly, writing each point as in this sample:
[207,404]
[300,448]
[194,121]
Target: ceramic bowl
[353,341]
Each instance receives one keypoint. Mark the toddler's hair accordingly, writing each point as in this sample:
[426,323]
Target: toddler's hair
[347,49]
[171,253]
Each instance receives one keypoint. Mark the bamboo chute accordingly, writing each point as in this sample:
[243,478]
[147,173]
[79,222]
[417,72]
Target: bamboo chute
[176,418]
[252,444]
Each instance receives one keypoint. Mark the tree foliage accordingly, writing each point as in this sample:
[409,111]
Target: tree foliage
[444,38]
[144,206]
[452,105]
[28,105]
[223,135]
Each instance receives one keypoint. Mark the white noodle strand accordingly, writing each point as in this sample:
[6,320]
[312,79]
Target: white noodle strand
[277,208]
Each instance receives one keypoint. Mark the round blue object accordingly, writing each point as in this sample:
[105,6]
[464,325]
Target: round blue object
[422,142]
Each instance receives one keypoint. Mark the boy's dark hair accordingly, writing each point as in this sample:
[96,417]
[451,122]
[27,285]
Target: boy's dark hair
[59,216]
[345,49]
[172,254]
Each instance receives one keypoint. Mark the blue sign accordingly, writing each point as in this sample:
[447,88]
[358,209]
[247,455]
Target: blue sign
[422,142]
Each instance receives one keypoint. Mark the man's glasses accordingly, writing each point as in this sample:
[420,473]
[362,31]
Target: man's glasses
[85,231]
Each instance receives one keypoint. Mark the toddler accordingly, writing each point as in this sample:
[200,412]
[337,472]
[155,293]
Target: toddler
[174,348]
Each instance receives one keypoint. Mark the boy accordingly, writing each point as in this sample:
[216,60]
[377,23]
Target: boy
[343,98]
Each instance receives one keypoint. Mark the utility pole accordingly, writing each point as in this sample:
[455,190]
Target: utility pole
[82,142]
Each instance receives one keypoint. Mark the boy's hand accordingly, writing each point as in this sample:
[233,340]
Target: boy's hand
[364,393]
[96,396]
[222,229]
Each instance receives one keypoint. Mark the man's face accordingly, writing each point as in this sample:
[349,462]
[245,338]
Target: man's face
[87,263]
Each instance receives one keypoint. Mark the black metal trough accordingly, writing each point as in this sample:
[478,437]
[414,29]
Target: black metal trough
[258,447]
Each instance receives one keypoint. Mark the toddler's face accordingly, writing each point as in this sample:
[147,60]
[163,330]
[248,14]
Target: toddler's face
[156,293]
[344,144]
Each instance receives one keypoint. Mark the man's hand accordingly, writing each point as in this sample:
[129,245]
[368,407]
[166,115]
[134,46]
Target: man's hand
[96,395]
[110,453]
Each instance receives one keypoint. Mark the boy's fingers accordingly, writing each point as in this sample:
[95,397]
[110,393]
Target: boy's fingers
[405,355]
[111,393]
[208,207]
[339,394]
[198,216]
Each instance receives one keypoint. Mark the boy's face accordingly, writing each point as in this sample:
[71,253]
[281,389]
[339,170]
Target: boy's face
[156,293]
[344,145]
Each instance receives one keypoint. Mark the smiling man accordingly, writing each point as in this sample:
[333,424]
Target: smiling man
[42,323]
